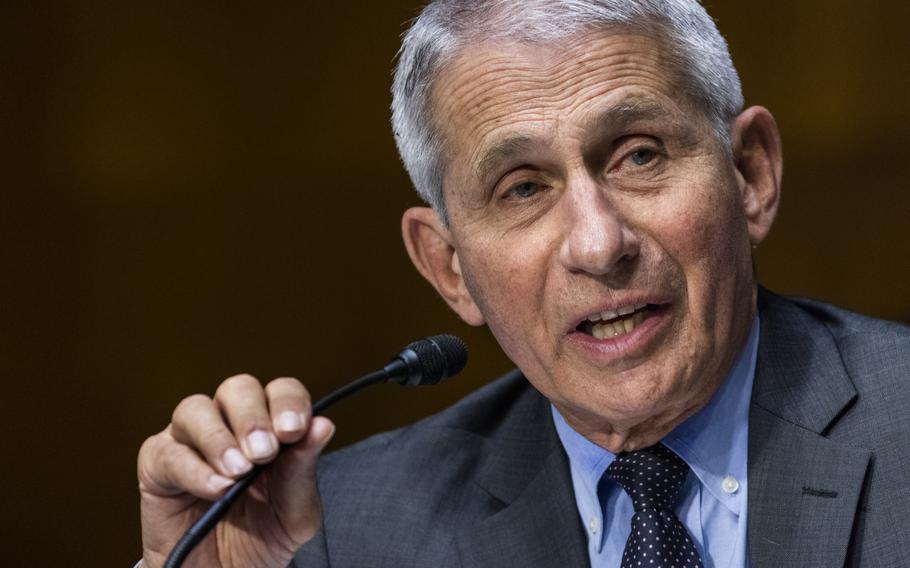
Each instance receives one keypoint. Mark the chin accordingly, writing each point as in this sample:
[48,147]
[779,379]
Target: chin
[626,404]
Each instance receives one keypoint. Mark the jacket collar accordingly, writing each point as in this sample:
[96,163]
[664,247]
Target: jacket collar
[803,487]
[534,519]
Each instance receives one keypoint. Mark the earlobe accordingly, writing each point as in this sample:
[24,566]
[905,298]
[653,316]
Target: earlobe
[759,166]
[431,248]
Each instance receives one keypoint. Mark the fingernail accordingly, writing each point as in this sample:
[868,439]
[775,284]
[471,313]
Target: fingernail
[217,482]
[235,462]
[261,444]
[288,421]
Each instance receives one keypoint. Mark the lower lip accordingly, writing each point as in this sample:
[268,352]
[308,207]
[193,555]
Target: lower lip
[631,343]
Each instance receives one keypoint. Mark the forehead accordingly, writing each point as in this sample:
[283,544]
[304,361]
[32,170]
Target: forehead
[495,90]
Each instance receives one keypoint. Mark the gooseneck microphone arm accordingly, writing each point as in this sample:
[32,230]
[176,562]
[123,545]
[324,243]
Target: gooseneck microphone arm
[424,362]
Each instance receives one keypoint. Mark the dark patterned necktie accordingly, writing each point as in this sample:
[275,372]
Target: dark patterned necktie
[652,477]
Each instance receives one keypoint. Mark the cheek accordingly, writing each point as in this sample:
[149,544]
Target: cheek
[716,252]
[708,241]
[703,229]
[507,277]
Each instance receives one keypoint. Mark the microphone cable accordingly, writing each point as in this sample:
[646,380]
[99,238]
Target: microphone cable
[424,362]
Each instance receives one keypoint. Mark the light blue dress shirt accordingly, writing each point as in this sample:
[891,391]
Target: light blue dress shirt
[712,505]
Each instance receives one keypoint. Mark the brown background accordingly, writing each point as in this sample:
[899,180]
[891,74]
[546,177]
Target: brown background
[190,190]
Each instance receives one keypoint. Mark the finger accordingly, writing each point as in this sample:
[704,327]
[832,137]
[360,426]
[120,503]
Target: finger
[166,468]
[242,401]
[289,407]
[197,422]
[293,481]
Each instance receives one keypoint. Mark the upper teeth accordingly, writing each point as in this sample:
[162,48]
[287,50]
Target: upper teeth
[613,314]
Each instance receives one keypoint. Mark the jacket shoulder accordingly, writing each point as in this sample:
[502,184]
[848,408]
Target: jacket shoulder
[403,494]
[842,322]
[868,347]
[493,411]
[447,446]
[875,353]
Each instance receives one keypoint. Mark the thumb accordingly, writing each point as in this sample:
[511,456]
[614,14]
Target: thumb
[293,490]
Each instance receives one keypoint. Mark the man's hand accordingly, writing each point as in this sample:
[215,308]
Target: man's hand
[212,442]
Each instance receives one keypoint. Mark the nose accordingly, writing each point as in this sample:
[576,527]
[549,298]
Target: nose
[598,237]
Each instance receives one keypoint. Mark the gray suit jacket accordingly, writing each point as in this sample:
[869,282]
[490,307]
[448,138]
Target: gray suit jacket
[487,483]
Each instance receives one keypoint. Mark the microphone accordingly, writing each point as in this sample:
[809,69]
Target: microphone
[428,361]
[424,362]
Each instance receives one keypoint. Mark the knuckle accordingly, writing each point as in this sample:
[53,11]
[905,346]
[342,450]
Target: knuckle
[168,458]
[237,382]
[285,383]
[145,476]
[243,379]
[165,468]
[287,386]
[254,419]
[147,451]
[188,405]
[179,465]
[215,439]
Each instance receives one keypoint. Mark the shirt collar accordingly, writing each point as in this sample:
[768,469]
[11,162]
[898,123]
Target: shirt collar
[713,441]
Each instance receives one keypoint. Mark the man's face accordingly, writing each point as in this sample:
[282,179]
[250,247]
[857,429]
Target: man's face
[582,185]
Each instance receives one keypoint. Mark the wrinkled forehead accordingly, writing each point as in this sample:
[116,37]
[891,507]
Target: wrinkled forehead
[498,90]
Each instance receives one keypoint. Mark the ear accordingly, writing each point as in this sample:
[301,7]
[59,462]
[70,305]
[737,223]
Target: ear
[431,249]
[758,160]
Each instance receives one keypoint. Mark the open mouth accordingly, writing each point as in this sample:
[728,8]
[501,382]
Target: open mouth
[616,323]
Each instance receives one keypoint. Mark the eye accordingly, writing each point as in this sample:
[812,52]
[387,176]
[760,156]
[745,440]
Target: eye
[642,156]
[523,190]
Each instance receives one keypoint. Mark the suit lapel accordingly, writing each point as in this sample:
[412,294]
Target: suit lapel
[803,488]
[534,518]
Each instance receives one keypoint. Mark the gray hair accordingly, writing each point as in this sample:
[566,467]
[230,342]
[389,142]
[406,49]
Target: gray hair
[697,51]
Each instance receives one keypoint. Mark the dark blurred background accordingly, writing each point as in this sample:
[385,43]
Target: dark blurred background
[191,190]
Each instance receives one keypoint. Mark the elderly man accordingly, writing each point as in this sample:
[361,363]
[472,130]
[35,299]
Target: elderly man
[596,192]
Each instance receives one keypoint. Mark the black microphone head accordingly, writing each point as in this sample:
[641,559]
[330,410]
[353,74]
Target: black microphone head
[429,361]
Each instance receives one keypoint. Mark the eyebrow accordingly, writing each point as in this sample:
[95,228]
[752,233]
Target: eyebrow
[604,124]
[627,112]
[502,151]
[617,118]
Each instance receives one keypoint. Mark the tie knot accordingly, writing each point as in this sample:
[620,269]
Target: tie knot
[651,476]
